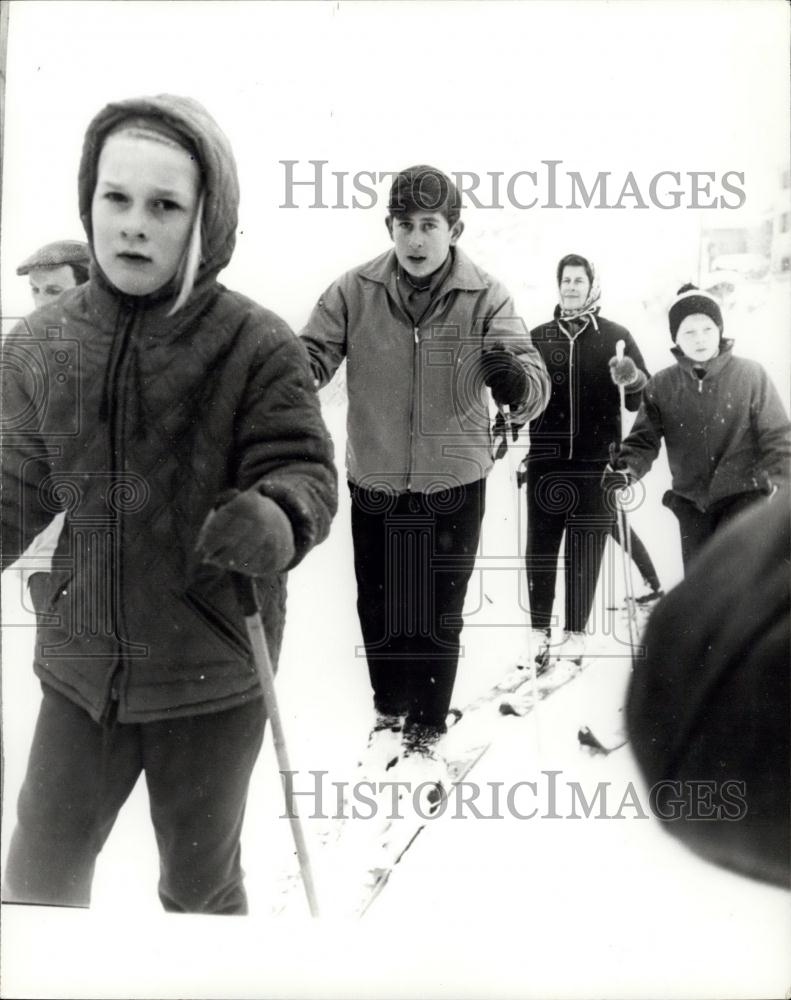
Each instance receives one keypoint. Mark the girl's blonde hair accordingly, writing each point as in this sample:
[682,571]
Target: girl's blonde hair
[190,261]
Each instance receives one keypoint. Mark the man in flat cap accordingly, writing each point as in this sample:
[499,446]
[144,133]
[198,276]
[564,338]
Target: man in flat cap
[54,268]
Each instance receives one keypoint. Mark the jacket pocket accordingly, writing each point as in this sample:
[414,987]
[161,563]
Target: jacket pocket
[47,589]
[217,622]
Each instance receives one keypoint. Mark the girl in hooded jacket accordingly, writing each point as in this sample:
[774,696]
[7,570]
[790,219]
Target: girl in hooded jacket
[134,403]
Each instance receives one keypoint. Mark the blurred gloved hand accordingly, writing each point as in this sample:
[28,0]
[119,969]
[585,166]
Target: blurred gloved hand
[250,534]
[625,372]
[505,376]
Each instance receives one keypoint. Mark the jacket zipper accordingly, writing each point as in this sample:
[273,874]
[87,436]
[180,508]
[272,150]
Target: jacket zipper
[415,355]
[116,418]
[572,342]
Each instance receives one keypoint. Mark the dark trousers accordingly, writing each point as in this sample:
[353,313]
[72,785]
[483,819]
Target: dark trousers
[79,775]
[413,557]
[565,497]
[698,526]
[640,557]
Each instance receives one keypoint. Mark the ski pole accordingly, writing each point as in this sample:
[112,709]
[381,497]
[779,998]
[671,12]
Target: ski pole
[624,530]
[620,347]
[529,639]
[247,596]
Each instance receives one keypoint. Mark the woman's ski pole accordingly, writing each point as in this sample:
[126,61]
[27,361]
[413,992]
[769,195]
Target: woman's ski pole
[248,601]
[624,532]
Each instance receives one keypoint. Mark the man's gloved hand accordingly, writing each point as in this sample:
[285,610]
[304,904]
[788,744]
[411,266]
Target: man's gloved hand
[500,435]
[504,375]
[617,475]
[765,484]
[625,372]
[250,534]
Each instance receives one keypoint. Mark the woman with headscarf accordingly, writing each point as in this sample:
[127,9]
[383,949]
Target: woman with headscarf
[569,450]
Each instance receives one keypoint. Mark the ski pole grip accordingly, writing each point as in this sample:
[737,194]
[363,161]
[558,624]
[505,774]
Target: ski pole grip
[620,347]
[246,594]
[509,427]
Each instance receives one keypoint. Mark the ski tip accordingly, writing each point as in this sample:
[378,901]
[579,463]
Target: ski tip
[587,739]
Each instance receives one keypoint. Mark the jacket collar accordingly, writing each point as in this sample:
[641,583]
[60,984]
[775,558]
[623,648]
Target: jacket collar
[713,367]
[464,275]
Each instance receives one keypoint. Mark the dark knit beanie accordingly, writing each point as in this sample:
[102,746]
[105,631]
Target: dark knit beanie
[691,300]
[424,189]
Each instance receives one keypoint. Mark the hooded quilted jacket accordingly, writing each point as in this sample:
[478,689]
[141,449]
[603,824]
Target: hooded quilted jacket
[725,431]
[136,423]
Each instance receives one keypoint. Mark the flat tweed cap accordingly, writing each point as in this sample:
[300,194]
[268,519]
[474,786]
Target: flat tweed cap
[56,254]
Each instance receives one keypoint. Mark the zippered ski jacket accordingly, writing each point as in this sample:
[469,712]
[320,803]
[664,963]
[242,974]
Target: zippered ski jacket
[418,417]
[583,416]
[722,431]
[135,423]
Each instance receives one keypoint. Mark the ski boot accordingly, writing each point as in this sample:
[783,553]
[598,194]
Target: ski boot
[421,764]
[383,748]
[572,648]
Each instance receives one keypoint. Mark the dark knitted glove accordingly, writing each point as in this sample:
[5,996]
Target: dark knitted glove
[626,373]
[250,534]
[617,475]
[505,376]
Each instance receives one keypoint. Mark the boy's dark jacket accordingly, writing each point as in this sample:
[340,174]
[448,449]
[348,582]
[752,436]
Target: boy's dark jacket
[135,423]
[725,433]
[583,417]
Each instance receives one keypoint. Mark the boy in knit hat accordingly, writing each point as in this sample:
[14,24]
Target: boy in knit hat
[425,332]
[727,433]
[54,268]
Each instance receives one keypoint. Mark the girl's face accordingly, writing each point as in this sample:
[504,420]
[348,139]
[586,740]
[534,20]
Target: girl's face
[142,211]
[699,337]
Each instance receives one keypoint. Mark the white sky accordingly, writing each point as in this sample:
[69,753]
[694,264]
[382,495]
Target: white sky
[619,86]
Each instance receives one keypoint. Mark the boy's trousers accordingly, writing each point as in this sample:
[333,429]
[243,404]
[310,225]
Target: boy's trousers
[697,526]
[413,557]
[565,496]
[80,773]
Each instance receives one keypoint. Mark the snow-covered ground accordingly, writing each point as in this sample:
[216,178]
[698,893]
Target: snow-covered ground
[568,907]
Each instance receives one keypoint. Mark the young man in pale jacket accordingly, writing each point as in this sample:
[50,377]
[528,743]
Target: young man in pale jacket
[425,333]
